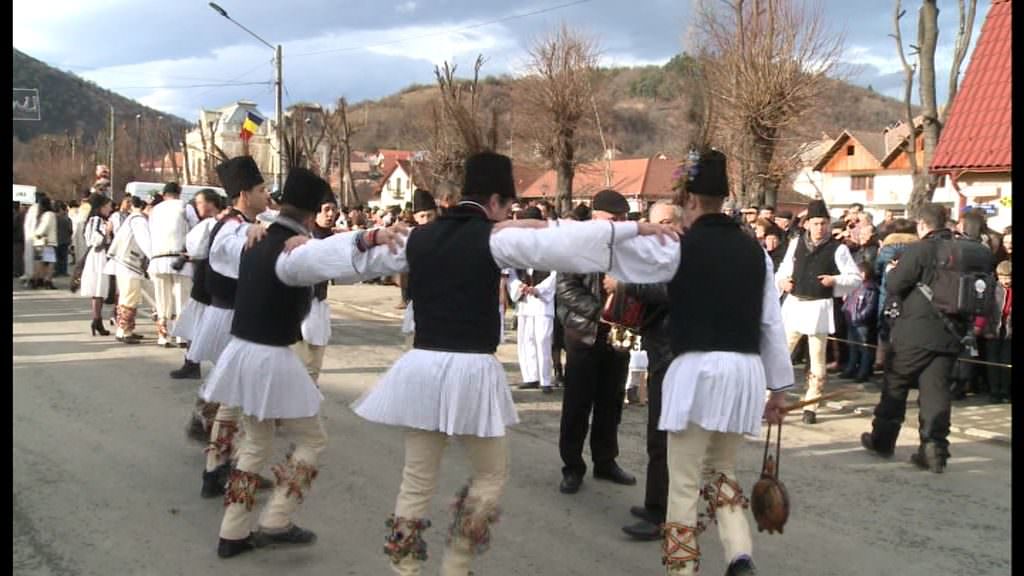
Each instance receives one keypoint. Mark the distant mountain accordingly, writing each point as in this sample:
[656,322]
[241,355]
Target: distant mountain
[72,104]
[648,111]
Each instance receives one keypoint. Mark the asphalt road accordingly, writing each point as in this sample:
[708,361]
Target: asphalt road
[105,482]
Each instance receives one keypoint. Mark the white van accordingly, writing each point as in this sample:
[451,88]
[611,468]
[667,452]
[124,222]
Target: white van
[146,189]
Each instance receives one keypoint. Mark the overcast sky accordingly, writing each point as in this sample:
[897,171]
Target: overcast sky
[165,54]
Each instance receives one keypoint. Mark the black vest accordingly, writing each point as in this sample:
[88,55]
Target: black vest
[718,291]
[320,290]
[221,288]
[266,310]
[808,265]
[454,283]
[537,277]
[199,292]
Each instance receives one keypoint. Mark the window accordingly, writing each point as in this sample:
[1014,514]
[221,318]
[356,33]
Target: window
[850,150]
[862,182]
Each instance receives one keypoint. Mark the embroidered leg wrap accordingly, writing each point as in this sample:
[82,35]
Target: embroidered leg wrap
[680,545]
[241,489]
[225,441]
[297,476]
[161,327]
[207,413]
[720,490]
[472,521]
[126,319]
[406,538]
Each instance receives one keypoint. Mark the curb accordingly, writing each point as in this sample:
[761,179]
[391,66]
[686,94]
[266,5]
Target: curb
[978,433]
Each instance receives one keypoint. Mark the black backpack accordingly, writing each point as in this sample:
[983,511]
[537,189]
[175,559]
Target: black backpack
[964,284]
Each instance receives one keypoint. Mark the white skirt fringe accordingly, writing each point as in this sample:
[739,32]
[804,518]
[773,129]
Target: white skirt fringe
[451,392]
[187,324]
[212,334]
[264,381]
[718,391]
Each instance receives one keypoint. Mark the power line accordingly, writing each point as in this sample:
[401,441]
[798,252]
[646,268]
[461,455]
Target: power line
[446,32]
[182,87]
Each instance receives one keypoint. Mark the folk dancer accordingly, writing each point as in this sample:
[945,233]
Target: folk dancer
[451,385]
[729,348]
[172,282]
[534,294]
[260,373]
[128,254]
[197,243]
[816,269]
[245,188]
[316,327]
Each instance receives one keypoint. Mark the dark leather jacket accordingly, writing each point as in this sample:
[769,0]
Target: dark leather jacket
[579,307]
[655,331]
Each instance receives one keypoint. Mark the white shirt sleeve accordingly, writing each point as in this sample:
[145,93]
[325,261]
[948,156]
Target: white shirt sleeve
[546,289]
[197,241]
[226,252]
[319,260]
[849,275]
[644,260]
[378,260]
[778,367]
[786,267]
[94,233]
[191,217]
[515,285]
[140,231]
[568,246]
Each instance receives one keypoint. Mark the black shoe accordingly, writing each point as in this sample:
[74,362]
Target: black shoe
[810,417]
[228,548]
[215,481]
[742,566]
[847,375]
[643,530]
[926,459]
[529,385]
[97,328]
[293,535]
[571,482]
[547,390]
[128,340]
[188,370]
[646,515]
[196,430]
[869,444]
[615,474]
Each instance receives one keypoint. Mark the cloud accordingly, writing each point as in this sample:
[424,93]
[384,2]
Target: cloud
[406,7]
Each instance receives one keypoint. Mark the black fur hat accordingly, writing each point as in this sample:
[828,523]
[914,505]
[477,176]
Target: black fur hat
[706,175]
[423,200]
[305,190]
[239,173]
[489,173]
[817,209]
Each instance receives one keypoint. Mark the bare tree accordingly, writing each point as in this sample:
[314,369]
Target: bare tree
[765,64]
[339,138]
[558,91]
[458,131]
[931,122]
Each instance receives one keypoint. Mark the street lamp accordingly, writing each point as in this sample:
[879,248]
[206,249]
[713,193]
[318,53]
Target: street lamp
[277,87]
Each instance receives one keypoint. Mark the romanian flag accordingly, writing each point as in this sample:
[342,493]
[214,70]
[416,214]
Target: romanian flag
[250,125]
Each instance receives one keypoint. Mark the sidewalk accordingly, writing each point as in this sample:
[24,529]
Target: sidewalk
[974,417]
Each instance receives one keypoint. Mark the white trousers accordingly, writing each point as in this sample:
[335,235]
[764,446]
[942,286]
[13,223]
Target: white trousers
[817,377]
[171,292]
[534,336]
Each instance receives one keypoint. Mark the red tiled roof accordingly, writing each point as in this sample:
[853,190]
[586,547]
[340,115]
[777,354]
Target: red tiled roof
[647,177]
[525,175]
[978,132]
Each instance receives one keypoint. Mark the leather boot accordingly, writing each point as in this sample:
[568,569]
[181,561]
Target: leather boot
[188,370]
[214,481]
[927,457]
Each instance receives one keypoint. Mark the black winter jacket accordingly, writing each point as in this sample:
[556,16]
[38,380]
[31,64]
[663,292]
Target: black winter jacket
[918,325]
[656,328]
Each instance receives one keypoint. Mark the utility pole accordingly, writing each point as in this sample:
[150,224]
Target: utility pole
[138,141]
[112,188]
[278,82]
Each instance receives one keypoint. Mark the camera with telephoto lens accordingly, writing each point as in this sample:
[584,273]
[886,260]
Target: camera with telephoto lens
[892,310]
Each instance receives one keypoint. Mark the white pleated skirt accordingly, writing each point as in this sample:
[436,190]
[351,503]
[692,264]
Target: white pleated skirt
[718,391]
[187,324]
[809,317]
[212,334]
[94,283]
[451,392]
[264,381]
[316,328]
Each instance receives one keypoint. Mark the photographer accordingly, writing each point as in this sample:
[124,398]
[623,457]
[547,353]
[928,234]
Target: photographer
[925,342]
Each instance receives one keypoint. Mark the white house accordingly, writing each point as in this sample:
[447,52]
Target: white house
[398,184]
[223,127]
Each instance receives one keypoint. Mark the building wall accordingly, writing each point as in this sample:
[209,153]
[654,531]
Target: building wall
[994,190]
[392,194]
[891,189]
[860,160]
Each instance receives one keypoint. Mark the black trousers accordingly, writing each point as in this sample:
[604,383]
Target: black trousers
[557,345]
[656,494]
[19,259]
[909,367]
[61,269]
[595,380]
